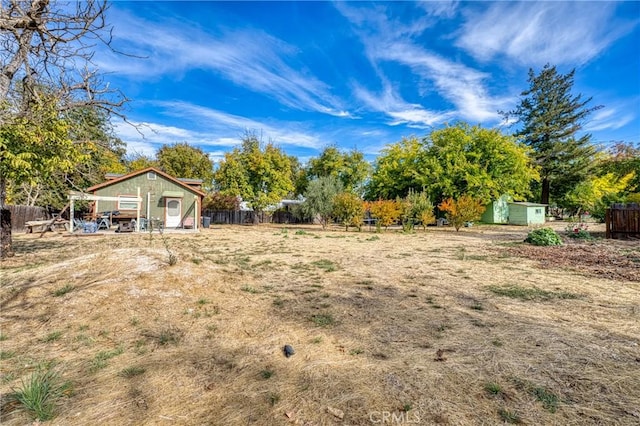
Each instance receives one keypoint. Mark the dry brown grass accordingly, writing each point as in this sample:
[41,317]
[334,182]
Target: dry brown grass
[380,323]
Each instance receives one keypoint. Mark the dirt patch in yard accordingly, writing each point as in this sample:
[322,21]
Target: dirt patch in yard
[435,327]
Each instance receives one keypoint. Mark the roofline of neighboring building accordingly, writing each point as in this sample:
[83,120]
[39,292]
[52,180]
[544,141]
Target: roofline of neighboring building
[139,172]
[526,203]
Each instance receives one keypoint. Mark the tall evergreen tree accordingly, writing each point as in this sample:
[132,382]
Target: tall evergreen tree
[552,118]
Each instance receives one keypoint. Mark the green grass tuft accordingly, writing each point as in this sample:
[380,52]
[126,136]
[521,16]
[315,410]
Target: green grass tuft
[326,265]
[530,293]
[52,337]
[40,393]
[509,416]
[323,320]
[132,371]
[63,290]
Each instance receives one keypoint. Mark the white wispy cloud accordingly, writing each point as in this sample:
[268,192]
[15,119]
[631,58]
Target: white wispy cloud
[400,111]
[218,122]
[461,86]
[534,33]
[215,129]
[611,117]
[250,58]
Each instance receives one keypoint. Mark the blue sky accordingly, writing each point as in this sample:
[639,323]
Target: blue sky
[359,74]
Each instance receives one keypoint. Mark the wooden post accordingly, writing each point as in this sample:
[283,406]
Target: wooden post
[196,215]
[138,205]
[607,221]
[71,205]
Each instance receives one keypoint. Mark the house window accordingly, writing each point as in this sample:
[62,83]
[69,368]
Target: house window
[151,175]
[538,211]
[127,203]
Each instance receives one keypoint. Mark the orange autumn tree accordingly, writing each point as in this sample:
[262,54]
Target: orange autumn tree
[387,212]
[464,209]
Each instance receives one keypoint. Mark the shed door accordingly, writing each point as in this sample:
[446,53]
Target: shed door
[173,212]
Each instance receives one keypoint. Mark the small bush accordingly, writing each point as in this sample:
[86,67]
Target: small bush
[543,237]
[578,230]
[464,209]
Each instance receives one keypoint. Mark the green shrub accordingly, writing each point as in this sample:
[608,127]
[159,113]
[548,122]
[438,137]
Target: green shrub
[543,237]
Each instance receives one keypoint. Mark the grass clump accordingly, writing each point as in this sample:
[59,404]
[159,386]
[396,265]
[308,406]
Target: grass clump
[166,336]
[530,293]
[6,355]
[493,388]
[326,265]
[323,320]
[132,371]
[63,290]
[549,399]
[100,360]
[543,237]
[39,394]
[52,337]
[266,374]
[249,289]
[509,416]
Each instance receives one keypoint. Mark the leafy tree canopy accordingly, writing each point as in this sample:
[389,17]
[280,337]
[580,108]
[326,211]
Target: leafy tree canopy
[399,168]
[185,161]
[262,174]
[483,163]
[318,198]
[348,208]
[455,160]
[349,167]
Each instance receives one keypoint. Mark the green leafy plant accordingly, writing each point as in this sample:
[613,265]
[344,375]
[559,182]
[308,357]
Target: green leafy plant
[543,237]
[578,230]
[40,393]
[348,208]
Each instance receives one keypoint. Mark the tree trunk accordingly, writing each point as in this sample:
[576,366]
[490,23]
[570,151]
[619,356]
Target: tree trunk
[5,233]
[5,223]
[544,198]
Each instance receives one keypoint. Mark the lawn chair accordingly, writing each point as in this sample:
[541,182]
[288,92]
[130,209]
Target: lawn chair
[104,222]
[78,223]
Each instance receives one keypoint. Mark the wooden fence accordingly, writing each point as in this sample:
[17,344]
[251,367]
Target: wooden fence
[22,214]
[623,221]
[242,217]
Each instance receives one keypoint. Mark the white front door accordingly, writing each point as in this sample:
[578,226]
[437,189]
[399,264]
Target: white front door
[173,212]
